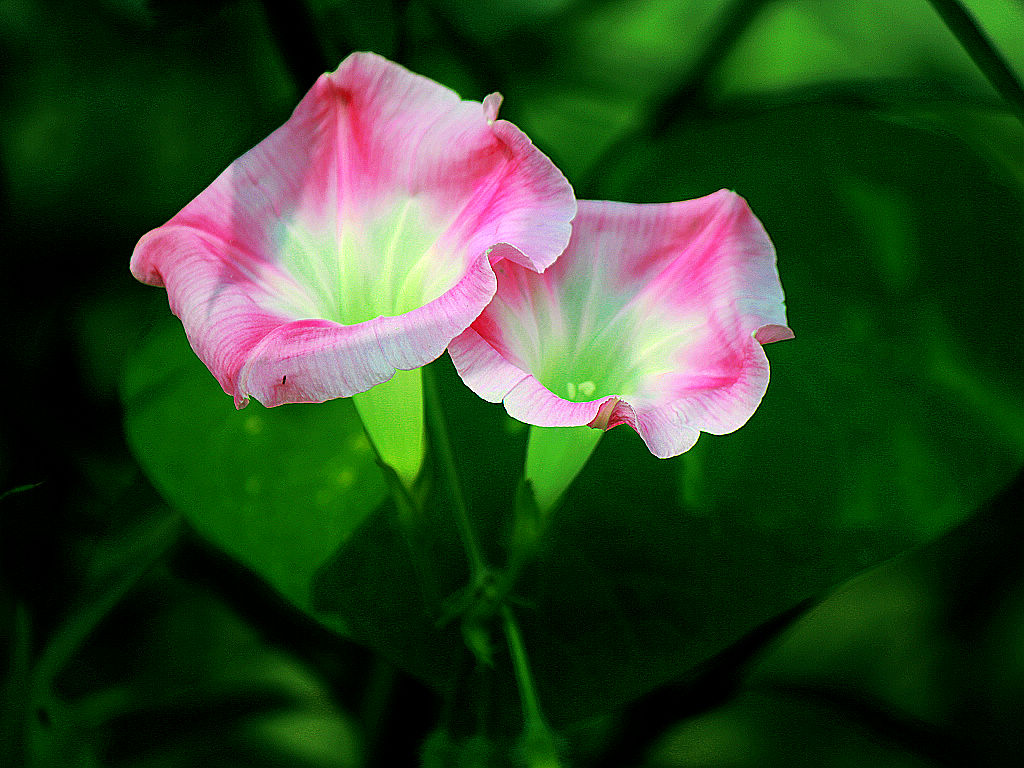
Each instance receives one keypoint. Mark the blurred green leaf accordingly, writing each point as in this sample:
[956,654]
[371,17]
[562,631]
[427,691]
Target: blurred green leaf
[14,691]
[442,751]
[861,449]
[279,489]
[55,732]
[798,43]
[373,587]
[18,489]
[868,441]
[899,251]
[55,739]
[890,418]
[195,684]
[117,566]
[152,110]
[892,415]
[932,638]
[758,731]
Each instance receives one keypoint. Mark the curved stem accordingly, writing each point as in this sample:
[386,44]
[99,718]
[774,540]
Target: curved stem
[983,53]
[291,25]
[443,446]
[521,666]
[693,90]
[690,91]
[83,621]
[539,743]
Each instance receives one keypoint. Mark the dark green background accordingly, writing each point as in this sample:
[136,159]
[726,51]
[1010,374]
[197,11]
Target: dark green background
[175,598]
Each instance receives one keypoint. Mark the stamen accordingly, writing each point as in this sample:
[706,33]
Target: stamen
[584,389]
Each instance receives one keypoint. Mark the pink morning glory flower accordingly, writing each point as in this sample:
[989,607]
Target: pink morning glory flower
[358,239]
[654,316]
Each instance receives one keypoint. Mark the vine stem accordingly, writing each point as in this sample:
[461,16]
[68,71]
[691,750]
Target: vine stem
[521,665]
[294,32]
[539,744]
[83,622]
[439,432]
[691,90]
[983,53]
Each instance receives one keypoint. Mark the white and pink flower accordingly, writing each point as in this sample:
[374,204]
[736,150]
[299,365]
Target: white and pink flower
[357,239]
[654,316]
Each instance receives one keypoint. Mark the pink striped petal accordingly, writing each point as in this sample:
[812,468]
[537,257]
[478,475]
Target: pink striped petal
[654,317]
[358,238]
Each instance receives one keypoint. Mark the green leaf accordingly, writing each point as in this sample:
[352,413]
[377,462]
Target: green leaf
[442,751]
[279,489]
[764,730]
[16,687]
[18,489]
[188,682]
[796,44]
[931,639]
[56,734]
[895,408]
[388,597]
[889,419]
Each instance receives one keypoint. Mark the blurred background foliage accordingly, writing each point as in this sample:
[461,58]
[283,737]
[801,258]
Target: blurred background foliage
[218,590]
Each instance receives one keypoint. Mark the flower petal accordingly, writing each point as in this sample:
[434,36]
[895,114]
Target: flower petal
[654,317]
[494,378]
[355,236]
[309,361]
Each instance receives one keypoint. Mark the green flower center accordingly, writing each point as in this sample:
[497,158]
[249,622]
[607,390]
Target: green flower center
[378,262]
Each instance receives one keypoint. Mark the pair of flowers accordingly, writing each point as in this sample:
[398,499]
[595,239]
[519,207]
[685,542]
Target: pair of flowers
[387,220]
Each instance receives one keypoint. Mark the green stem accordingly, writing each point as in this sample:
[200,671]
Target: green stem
[539,743]
[733,22]
[294,31]
[14,700]
[82,622]
[983,53]
[443,446]
[377,696]
[691,90]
